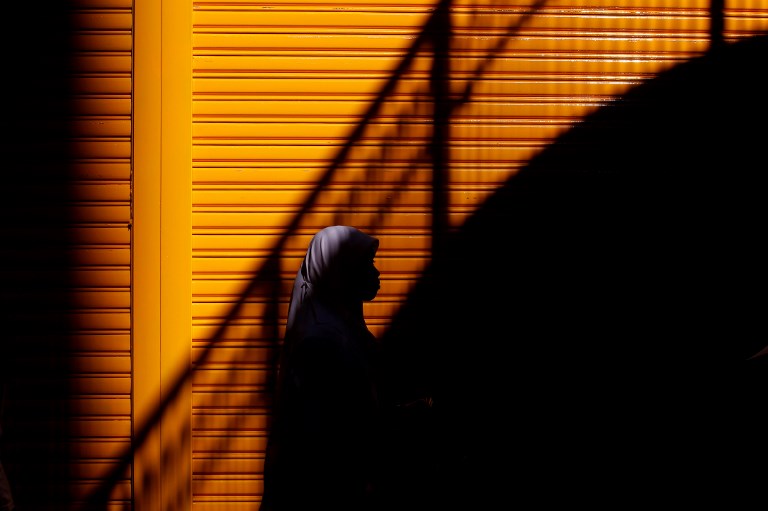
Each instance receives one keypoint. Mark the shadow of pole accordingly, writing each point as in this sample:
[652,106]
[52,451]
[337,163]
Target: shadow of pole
[440,30]
[717,24]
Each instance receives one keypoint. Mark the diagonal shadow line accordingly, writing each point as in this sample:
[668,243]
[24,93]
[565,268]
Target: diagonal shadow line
[494,51]
[439,25]
[271,266]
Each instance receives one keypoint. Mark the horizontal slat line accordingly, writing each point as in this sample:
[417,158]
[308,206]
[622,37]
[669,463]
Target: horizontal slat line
[216,221]
[365,220]
[464,61]
[692,33]
[76,298]
[102,104]
[225,388]
[79,364]
[118,62]
[376,323]
[552,9]
[461,35]
[238,193]
[117,19]
[460,125]
[652,36]
[500,6]
[80,341]
[260,325]
[246,216]
[503,112]
[733,35]
[104,129]
[223,152]
[518,134]
[205,311]
[463,38]
[417,138]
[256,174]
[101,4]
[95,276]
[204,273]
[93,40]
[79,490]
[543,15]
[216,290]
[522,87]
[254,304]
[666,54]
[206,503]
[234,264]
[236,198]
[418,99]
[362,15]
[465,123]
[101,85]
[102,406]
[297,242]
[252,443]
[90,470]
[464,67]
[228,463]
[261,230]
[321,111]
[98,449]
[100,386]
[89,171]
[318,109]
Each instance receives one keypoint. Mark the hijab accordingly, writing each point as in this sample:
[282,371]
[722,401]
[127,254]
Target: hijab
[322,443]
[326,291]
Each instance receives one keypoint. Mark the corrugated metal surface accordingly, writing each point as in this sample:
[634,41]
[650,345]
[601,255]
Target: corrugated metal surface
[68,116]
[307,114]
[101,137]
[101,150]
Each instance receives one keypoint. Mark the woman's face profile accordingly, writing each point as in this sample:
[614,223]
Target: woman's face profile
[368,280]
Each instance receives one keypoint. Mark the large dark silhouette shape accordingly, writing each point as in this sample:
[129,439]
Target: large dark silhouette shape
[586,335]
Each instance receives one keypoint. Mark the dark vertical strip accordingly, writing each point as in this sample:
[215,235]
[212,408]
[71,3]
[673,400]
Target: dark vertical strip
[439,32]
[717,24]
[35,268]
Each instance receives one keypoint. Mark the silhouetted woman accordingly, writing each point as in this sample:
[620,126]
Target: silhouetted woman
[322,451]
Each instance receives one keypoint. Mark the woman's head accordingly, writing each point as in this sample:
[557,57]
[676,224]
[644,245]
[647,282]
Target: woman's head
[340,264]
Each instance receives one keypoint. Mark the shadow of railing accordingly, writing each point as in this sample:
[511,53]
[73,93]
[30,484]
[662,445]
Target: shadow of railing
[268,281]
